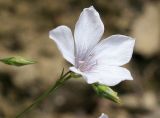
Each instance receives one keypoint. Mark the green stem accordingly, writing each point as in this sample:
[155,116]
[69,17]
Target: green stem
[59,83]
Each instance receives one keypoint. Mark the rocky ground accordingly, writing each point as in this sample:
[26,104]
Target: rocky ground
[24,27]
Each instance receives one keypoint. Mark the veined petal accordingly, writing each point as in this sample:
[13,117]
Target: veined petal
[103,116]
[114,50]
[62,35]
[107,75]
[88,31]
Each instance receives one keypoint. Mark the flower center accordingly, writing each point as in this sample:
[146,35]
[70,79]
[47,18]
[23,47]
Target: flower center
[86,64]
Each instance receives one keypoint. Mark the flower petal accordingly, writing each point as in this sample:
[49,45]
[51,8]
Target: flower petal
[114,50]
[75,70]
[62,35]
[88,31]
[103,116]
[107,75]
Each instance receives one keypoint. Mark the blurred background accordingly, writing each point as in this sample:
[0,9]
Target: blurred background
[24,27]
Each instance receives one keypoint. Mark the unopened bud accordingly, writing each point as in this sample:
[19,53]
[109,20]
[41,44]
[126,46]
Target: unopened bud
[17,61]
[106,92]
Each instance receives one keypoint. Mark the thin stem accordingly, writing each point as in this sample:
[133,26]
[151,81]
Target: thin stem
[52,89]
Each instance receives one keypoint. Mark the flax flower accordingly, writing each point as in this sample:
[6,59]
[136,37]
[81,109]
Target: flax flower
[95,59]
[103,116]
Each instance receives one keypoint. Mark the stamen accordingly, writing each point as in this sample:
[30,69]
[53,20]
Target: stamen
[87,64]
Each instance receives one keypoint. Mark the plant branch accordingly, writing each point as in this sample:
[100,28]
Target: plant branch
[53,88]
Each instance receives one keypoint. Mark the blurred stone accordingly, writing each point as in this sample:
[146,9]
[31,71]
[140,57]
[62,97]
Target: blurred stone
[130,101]
[146,102]
[149,100]
[76,115]
[154,114]
[146,30]
[6,109]
[123,114]
[39,114]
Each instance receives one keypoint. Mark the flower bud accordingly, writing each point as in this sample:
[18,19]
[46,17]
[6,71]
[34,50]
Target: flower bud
[106,92]
[17,61]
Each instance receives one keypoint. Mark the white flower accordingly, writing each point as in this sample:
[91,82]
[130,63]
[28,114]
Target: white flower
[103,116]
[96,60]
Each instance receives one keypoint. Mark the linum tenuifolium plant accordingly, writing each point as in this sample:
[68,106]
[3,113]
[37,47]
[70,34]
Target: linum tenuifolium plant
[97,61]
[103,116]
